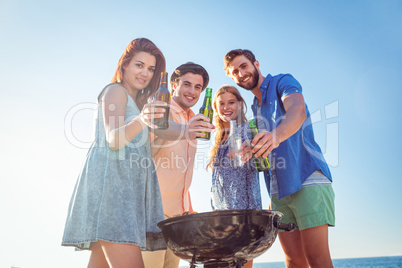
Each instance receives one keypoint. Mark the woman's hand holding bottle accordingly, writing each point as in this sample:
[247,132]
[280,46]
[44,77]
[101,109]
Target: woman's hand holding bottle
[151,111]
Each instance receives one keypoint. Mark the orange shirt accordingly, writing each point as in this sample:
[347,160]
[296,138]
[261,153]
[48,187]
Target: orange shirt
[174,166]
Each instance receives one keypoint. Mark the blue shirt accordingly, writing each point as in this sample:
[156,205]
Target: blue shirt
[299,156]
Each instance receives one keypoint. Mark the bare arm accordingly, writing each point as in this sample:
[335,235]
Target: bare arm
[180,131]
[119,134]
[156,145]
[264,142]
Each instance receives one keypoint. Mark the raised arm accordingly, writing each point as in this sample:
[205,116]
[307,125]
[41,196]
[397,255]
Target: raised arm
[264,142]
[198,124]
[119,134]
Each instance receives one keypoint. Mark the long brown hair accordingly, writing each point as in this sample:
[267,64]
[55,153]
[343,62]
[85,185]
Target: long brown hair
[133,48]
[219,127]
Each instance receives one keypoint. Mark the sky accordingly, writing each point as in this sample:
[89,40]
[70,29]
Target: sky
[56,56]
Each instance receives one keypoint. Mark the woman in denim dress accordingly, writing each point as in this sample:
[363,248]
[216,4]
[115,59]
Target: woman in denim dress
[116,203]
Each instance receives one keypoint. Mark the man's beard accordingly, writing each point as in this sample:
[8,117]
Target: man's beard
[254,77]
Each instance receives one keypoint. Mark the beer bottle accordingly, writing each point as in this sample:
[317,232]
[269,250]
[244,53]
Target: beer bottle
[206,109]
[261,164]
[163,94]
[234,145]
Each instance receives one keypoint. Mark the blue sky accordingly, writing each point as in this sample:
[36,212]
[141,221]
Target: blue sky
[56,55]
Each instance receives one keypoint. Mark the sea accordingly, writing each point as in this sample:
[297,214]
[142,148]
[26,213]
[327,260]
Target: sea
[373,262]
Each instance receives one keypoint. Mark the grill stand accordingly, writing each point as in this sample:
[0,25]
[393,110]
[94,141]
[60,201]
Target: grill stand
[236,263]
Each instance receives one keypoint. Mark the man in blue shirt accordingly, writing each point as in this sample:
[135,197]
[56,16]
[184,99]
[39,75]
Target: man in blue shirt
[299,182]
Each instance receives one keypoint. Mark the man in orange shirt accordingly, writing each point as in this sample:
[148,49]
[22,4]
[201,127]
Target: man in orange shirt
[174,160]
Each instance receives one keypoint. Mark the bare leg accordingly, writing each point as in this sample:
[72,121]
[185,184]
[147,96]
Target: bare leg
[154,259]
[171,260]
[122,255]
[316,248]
[97,259]
[293,248]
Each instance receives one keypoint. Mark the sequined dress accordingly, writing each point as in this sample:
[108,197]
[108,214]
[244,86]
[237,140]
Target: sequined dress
[234,188]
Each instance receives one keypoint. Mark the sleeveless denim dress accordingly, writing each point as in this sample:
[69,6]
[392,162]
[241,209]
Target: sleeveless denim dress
[117,196]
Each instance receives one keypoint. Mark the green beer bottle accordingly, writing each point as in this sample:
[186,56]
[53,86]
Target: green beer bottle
[261,164]
[206,109]
[163,94]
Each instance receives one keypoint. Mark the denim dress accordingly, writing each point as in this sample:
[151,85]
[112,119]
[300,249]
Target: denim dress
[117,196]
[234,188]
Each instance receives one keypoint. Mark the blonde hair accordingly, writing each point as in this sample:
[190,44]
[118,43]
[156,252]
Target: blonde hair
[220,132]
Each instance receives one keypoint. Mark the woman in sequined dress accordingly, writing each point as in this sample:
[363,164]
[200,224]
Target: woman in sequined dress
[232,188]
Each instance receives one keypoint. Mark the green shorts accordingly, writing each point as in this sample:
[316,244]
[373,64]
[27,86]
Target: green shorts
[309,207]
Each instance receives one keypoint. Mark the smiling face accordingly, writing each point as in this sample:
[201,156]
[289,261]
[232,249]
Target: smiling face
[187,92]
[244,72]
[139,72]
[228,107]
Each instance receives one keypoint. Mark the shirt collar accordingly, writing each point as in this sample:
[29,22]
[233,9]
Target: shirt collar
[265,83]
[264,87]
[179,109]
